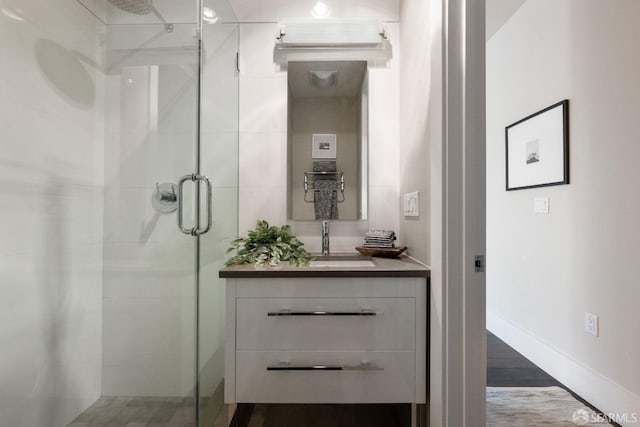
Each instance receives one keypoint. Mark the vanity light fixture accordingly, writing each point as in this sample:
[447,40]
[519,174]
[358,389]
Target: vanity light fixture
[323,79]
[331,40]
[331,33]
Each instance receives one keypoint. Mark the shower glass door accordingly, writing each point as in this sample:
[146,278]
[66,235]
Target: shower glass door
[171,111]
[150,266]
[219,161]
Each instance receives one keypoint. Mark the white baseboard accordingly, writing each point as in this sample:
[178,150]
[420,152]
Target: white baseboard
[600,391]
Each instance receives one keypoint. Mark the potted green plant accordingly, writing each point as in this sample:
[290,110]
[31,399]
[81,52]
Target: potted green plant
[268,245]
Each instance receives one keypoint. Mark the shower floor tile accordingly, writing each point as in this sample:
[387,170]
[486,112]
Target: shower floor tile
[118,411]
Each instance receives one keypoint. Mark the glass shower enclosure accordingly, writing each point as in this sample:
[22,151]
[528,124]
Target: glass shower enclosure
[123,317]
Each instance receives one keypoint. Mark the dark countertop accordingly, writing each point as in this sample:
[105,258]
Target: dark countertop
[384,267]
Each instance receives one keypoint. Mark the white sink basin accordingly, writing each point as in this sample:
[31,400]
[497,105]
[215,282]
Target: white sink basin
[349,261]
[347,264]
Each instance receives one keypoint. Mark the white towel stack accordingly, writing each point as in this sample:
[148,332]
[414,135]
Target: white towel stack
[379,239]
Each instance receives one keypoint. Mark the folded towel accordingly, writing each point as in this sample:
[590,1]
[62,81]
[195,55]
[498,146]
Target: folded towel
[324,166]
[326,199]
[380,233]
[379,239]
[378,245]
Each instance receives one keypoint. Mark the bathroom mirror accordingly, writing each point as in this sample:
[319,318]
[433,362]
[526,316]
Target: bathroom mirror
[327,140]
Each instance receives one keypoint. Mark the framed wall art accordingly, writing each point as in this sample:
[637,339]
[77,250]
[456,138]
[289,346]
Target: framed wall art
[537,149]
[323,146]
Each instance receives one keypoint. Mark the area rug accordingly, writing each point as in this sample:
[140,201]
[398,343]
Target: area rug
[537,406]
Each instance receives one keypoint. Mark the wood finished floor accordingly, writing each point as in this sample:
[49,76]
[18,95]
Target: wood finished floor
[508,368]
[329,415]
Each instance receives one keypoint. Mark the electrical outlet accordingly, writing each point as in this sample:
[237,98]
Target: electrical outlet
[591,324]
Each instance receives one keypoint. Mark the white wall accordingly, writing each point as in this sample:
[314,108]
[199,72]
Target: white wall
[263,130]
[263,142]
[51,180]
[546,271]
[416,122]
[415,144]
[420,141]
[420,115]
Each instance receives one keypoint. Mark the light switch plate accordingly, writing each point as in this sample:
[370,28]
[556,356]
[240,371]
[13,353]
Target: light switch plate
[541,205]
[412,204]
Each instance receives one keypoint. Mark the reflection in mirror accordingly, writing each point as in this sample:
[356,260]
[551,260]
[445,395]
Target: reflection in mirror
[327,140]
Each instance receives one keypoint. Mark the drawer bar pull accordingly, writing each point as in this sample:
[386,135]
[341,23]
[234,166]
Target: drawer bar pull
[285,312]
[285,366]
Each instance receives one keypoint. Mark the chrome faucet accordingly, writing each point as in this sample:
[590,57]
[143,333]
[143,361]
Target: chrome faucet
[325,237]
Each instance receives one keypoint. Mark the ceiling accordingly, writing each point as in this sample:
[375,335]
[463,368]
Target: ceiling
[174,11]
[184,11]
[279,10]
[498,13]
[349,82]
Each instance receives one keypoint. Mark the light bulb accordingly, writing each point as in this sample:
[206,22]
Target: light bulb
[210,15]
[320,10]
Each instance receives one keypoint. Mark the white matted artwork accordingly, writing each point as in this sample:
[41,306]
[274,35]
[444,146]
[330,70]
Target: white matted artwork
[323,145]
[538,149]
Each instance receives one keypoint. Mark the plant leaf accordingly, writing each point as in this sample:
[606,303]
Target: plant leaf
[270,245]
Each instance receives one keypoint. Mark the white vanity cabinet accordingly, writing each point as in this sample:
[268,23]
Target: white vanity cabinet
[326,340]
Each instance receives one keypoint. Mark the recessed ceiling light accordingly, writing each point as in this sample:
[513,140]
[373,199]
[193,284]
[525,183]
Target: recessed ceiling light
[320,10]
[209,15]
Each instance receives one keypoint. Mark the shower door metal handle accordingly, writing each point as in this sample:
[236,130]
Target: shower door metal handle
[199,231]
[181,182]
[195,231]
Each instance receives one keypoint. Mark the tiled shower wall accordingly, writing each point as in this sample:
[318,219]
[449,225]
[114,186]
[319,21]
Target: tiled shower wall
[51,175]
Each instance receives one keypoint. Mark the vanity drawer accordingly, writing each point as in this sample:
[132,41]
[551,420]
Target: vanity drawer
[325,323]
[338,377]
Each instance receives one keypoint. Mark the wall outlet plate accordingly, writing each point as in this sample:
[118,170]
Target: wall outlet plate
[412,204]
[591,324]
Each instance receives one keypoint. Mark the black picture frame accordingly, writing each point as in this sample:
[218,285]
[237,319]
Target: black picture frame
[537,149]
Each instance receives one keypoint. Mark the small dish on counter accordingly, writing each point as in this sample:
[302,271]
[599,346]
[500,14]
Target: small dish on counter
[382,252]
